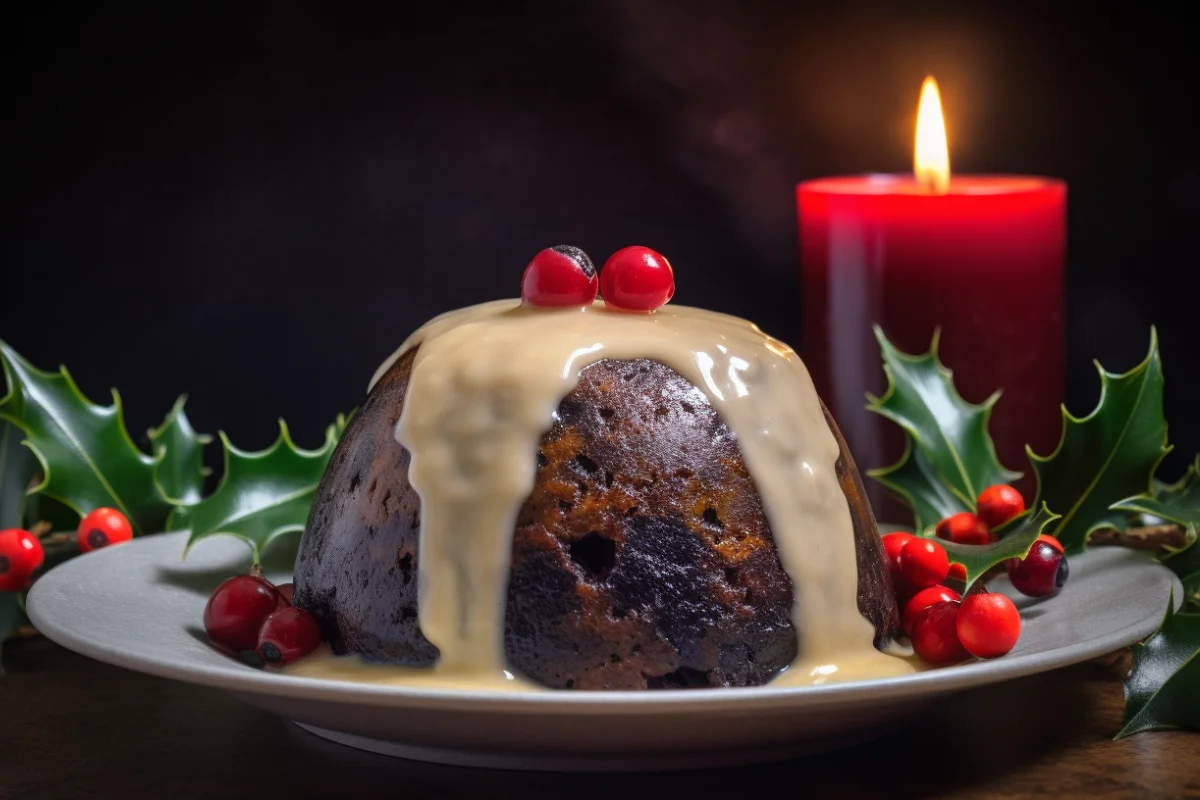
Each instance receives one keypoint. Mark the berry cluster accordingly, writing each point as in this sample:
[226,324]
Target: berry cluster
[633,279]
[1039,574]
[946,628]
[22,554]
[247,613]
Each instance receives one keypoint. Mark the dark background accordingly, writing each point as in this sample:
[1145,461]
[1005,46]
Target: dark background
[255,204]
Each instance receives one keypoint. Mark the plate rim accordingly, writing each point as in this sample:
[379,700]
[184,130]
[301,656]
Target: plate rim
[241,678]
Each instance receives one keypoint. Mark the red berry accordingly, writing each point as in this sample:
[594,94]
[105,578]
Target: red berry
[1041,573]
[893,543]
[923,562]
[988,625]
[958,572]
[998,504]
[102,527]
[285,594]
[236,611]
[636,279]
[923,600]
[963,528]
[288,635]
[1050,540]
[559,276]
[20,556]
[934,637]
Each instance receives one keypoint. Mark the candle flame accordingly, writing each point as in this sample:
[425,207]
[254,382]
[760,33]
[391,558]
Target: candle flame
[931,161]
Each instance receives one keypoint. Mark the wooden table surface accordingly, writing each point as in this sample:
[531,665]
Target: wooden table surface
[71,727]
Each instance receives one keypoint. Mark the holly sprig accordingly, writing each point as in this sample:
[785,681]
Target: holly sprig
[949,456]
[1100,477]
[62,455]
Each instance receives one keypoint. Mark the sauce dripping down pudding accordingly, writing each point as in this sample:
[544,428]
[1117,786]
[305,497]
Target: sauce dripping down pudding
[485,385]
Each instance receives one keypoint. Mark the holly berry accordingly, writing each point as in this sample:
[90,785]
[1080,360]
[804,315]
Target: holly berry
[1050,540]
[559,277]
[923,600]
[963,528]
[21,555]
[923,562]
[958,572]
[1040,573]
[237,610]
[988,625]
[998,504]
[102,527]
[934,637]
[288,635]
[636,279]
[893,543]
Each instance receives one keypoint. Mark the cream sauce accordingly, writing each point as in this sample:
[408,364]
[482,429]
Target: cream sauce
[484,389]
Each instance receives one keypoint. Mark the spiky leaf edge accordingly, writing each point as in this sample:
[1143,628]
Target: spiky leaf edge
[285,439]
[876,404]
[6,352]
[1068,417]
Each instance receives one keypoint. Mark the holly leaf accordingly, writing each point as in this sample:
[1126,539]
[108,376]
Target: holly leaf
[1186,564]
[180,471]
[1177,502]
[915,481]
[1019,537]
[264,494]
[952,435]
[17,468]
[86,455]
[1108,455]
[1163,688]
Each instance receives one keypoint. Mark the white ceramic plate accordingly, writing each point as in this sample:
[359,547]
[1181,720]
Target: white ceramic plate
[139,605]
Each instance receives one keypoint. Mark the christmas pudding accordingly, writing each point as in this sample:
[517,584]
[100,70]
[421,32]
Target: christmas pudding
[598,494]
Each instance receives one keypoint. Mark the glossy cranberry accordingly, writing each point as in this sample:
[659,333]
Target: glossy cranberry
[102,527]
[988,625]
[998,504]
[1050,540]
[1040,573]
[21,555]
[923,562]
[934,637]
[287,636]
[236,611]
[558,277]
[636,279]
[923,600]
[963,528]
[893,543]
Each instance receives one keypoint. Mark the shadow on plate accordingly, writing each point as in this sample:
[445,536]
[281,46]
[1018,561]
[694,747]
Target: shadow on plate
[278,559]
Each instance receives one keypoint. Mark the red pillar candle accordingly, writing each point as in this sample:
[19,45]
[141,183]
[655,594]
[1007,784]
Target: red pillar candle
[980,257]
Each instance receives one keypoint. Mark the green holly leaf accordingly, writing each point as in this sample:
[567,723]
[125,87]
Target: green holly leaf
[17,468]
[950,457]
[1186,564]
[1108,455]
[1019,536]
[915,481]
[264,494]
[1177,502]
[1163,688]
[180,471]
[86,455]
